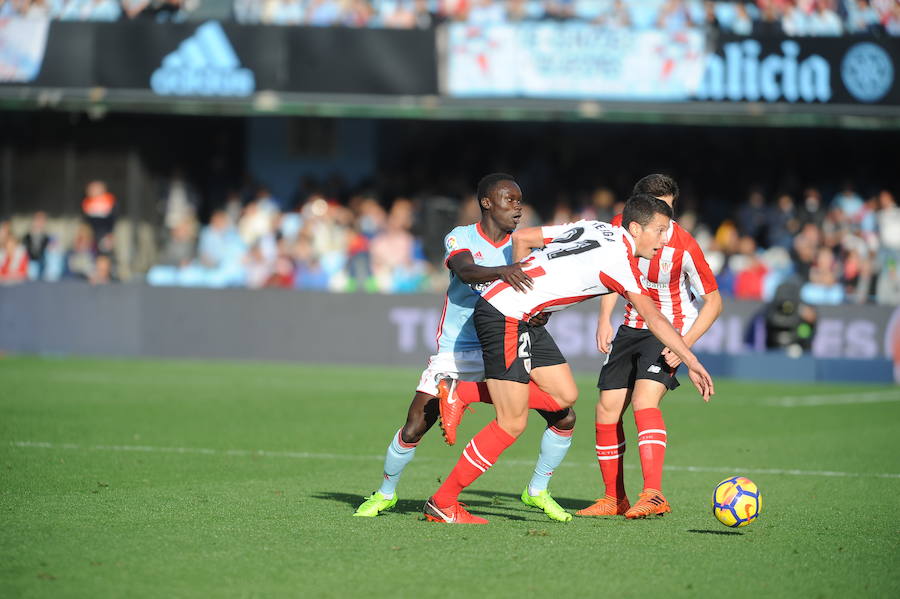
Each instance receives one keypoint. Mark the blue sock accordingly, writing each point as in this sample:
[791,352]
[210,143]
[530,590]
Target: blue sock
[554,447]
[398,456]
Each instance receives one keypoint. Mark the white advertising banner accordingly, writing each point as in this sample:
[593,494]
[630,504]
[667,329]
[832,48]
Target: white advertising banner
[572,60]
[22,46]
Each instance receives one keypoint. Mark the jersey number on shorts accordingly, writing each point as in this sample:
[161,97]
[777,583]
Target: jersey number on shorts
[571,237]
[525,350]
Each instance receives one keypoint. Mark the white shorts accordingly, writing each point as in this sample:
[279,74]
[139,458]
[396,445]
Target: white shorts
[463,366]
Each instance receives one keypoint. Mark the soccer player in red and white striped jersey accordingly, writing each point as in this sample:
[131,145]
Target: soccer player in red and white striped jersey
[639,369]
[585,260]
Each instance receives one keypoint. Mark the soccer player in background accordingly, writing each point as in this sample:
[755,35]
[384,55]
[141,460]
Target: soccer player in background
[574,263]
[476,256]
[639,369]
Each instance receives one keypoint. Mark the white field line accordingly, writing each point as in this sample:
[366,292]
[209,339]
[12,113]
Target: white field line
[837,399]
[301,455]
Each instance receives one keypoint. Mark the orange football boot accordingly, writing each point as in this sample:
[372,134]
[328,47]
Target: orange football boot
[451,407]
[455,514]
[650,503]
[606,506]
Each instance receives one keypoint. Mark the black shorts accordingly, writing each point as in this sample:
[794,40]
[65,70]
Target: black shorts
[636,354]
[511,347]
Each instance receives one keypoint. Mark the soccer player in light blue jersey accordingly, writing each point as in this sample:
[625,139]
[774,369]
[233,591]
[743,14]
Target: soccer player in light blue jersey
[476,255]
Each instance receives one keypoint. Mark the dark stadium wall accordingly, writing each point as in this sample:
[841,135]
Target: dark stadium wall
[853,343]
[280,151]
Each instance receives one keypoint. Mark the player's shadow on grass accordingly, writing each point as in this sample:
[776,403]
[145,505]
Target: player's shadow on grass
[414,506]
[715,532]
[515,500]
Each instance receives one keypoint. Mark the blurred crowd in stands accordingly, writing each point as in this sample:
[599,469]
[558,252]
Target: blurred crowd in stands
[841,249]
[748,17]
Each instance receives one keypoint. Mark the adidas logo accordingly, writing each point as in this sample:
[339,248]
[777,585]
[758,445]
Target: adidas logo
[478,256]
[205,64]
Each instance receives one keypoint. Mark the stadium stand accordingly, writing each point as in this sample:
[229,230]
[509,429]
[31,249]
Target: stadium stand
[844,249]
[783,17]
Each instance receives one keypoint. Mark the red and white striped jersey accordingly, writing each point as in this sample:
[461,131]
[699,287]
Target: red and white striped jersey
[671,278]
[580,260]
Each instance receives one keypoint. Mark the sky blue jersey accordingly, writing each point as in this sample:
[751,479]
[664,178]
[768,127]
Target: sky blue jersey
[456,330]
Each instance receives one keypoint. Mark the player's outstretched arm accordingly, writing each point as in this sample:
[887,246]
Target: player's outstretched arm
[709,312]
[604,322]
[525,240]
[465,268]
[664,331]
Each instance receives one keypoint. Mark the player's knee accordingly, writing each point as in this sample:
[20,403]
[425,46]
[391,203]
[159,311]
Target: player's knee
[567,422]
[514,425]
[413,431]
[567,398]
[608,411]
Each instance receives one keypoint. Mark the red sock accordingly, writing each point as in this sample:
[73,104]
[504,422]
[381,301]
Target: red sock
[610,449]
[541,400]
[469,392]
[651,445]
[479,455]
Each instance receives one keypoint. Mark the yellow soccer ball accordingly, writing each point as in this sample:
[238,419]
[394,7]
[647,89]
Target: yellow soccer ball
[736,501]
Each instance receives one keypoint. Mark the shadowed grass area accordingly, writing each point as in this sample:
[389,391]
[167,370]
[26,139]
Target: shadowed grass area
[158,478]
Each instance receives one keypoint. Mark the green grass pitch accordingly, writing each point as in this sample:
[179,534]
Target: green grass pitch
[152,478]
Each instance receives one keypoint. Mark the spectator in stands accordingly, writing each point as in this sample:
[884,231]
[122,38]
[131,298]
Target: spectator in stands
[356,13]
[284,273]
[397,265]
[614,15]
[38,9]
[516,11]
[91,10]
[850,203]
[825,21]
[103,271]
[179,200]
[741,23]
[887,289]
[856,274]
[674,17]
[891,18]
[601,205]
[283,12]
[806,244]
[323,13]
[258,266]
[862,18]
[36,241]
[782,222]
[888,218]
[752,218]
[486,12]
[750,271]
[13,261]
[309,273]
[711,25]
[79,260]
[99,209]
[823,286]
[181,243]
[163,11]
[812,210]
[769,24]
[559,10]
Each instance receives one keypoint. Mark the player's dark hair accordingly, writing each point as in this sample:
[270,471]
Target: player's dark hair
[657,185]
[488,183]
[642,207]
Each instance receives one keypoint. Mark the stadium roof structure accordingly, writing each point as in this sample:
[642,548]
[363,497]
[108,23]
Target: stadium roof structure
[96,102]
